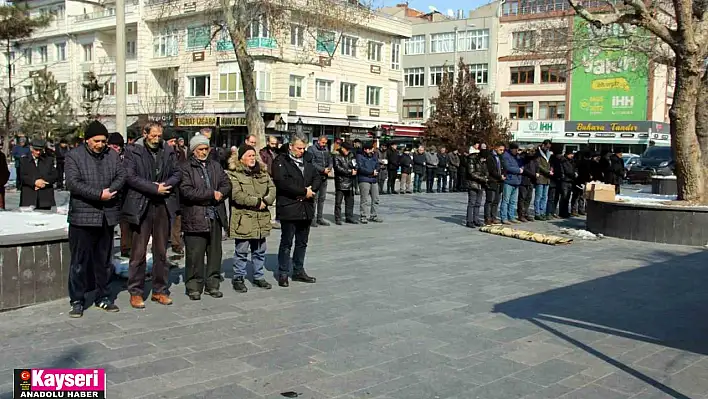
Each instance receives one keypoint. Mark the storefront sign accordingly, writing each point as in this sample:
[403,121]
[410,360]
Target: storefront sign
[197,121]
[605,135]
[306,129]
[225,121]
[323,108]
[358,130]
[375,112]
[541,128]
[607,84]
[600,127]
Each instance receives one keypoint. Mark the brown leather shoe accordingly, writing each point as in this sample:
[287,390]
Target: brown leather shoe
[136,301]
[162,299]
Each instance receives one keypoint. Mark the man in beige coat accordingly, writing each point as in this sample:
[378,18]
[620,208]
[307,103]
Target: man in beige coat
[252,193]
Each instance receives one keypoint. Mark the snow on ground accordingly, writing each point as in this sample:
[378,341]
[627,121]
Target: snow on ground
[30,222]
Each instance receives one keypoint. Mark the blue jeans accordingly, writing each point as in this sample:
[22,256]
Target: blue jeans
[257,247]
[540,200]
[510,198]
[418,182]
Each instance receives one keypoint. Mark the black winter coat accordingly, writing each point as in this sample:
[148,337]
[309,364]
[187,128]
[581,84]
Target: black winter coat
[419,163]
[495,172]
[615,171]
[343,167]
[564,171]
[477,176]
[29,173]
[528,177]
[142,171]
[291,187]
[394,159]
[195,196]
[442,164]
[87,175]
[584,171]
[60,154]
[406,163]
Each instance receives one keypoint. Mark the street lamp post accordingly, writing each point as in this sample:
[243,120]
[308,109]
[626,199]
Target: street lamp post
[378,132]
[298,126]
[280,125]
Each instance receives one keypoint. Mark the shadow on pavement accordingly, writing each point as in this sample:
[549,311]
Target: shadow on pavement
[662,303]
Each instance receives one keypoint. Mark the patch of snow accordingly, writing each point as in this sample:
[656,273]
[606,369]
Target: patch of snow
[582,234]
[120,265]
[672,177]
[30,222]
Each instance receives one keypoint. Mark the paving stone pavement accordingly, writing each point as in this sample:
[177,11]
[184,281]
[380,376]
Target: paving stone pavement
[415,307]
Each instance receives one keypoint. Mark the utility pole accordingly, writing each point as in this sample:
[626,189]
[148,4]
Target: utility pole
[121,85]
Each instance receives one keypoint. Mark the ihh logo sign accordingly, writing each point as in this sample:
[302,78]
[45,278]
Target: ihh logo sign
[622,101]
[545,126]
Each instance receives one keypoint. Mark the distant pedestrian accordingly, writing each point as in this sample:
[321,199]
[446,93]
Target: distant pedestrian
[94,177]
[19,151]
[344,181]
[38,176]
[368,168]
[60,154]
[323,163]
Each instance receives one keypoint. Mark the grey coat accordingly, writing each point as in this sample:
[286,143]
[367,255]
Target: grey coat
[431,160]
[321,159]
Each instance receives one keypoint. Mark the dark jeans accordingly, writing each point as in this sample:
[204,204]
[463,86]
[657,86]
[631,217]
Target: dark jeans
[417,182]
[453,180]
[381,178]
[321,196]
[91,252]
[564,199]
[392,175]
[197,274]
[525,194]
[577,200]
[491,205]
[18,182]
[552,204]
[442,183]
[126,237]
[430,179]
[348,197]
[60,175]
[176,233]
[155,223]
[474,203]
[299,230]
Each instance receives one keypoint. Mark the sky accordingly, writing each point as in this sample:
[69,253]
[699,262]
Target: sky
[440,5]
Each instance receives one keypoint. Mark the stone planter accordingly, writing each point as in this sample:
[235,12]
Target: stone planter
[664,185]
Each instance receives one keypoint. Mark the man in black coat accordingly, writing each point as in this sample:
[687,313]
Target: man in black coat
[321,159]
[494,183]
[38,176]
[344,176]
[60,154]
[393,160]
[94,176]
[296,182]
[152,177]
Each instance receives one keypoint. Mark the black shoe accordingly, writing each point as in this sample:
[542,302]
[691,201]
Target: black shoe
[262,284]
[283,281]
[238,285]
[351,221]
[322,222]
[108,306]
[304,278]
[195,296]
[363,221]
[478,224]
[77,310]
[376,220]
[214,293]
[338,222]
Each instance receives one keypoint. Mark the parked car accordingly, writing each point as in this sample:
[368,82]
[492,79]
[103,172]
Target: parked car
[630,160]
[655,161]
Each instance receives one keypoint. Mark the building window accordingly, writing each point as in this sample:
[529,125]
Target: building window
[323,90]
[297,35]
[522,75]
[132,86]
[413,109]
[28,90]
[43,54]
[373,95]
[264,89]
[199,86]
[438,73]
[109,88]
[551,110]
[480,72]
[523,40]
[296,86]
[521,110]
[229,85]
[61,51]
[198,37]
[442,42]
[27,54]
[553,38]
[130,49]
[414,77]
[375,51]
[88,52]
[165,44]
[258,28]
[396,54]
[553,73]
[326,42]
[474,40]
[415,45]
[59,11]
[347,93]
[348,45]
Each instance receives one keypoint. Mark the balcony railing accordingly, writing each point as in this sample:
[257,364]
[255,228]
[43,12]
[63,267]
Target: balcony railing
[255,42]
[112,60]
[529,7]
[106,13]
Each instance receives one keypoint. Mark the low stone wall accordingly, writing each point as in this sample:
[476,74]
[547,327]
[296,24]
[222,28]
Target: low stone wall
[33,268]
[682,225]
[664,185]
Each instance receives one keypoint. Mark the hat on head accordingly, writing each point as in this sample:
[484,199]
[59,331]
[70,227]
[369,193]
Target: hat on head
[347,146]
[116,138]
[95,128]
[168,134]
[530,147]
[38,144]
[368,146]
[514,146]
[198,140]
[243,149]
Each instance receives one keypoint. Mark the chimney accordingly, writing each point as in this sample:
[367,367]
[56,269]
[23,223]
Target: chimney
[460,14]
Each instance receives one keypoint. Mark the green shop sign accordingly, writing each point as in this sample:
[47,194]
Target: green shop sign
[607,85]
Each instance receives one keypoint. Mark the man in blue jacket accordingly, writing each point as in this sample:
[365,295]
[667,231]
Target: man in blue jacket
[368,165]
[512,166]
[323,162]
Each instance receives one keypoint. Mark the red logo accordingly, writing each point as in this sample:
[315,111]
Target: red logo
[25,375]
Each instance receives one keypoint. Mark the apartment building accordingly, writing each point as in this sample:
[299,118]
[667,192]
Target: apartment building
[437,43]
[181,70]
[578,100]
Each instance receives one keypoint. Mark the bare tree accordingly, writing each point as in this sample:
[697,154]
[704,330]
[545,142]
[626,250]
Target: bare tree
[162,104]
[682,26]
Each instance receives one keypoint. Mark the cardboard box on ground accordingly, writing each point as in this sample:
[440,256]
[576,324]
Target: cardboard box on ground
[598,191]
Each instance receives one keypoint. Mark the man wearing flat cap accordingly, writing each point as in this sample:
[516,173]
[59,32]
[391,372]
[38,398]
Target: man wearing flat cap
[203,189]
[37,178]
[94,177]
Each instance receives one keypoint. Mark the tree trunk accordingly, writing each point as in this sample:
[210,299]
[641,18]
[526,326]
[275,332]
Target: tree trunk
[702,118]
[690,172]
